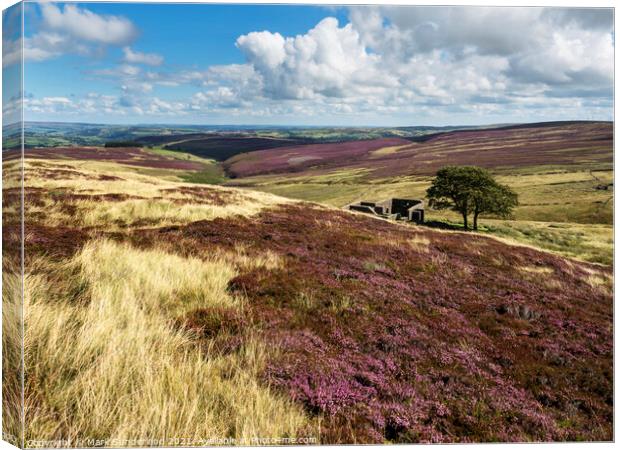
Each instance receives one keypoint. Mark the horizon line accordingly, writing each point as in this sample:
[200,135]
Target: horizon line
[250,125]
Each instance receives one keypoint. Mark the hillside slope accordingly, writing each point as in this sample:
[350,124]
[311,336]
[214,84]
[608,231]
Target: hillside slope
[270,317]
[301,157]
[521,146]
[407,335]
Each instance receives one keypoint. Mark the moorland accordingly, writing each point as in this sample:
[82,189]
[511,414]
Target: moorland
[562,171]
[207,283]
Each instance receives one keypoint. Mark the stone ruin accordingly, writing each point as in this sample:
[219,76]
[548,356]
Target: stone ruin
[410,210]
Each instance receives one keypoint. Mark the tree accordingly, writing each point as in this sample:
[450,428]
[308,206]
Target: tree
[470,190]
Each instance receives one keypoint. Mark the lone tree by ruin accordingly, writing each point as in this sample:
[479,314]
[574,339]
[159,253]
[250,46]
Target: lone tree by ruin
[470,190]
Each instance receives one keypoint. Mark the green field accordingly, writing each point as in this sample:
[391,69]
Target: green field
[560,208]
[211,174]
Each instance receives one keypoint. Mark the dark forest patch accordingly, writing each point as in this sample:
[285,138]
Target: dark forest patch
[224,147]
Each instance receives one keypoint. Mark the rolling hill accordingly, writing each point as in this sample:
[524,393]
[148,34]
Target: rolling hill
[562,172]
[557,143]
[55,134]
[221,147]
[205,311]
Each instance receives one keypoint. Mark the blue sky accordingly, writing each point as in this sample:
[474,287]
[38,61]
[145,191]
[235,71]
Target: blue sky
[190,37]
[305,65]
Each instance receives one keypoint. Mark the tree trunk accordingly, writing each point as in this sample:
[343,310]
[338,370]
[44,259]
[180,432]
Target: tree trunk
[476,221]
[465,221]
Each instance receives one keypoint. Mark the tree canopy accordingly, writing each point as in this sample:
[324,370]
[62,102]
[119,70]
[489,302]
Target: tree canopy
[470,190]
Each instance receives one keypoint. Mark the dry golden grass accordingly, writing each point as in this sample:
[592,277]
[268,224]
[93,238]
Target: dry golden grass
[537,270]
[419,243]
[240,258]
[11,353]
[585,242]
[390,150]
[542,275]
[11,174]
[104,361]
[600,280]
[104,358]
[158,212]
[160,202]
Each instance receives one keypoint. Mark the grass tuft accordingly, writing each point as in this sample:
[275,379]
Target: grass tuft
[116,367]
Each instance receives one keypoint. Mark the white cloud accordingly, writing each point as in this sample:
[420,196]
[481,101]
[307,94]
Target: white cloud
[264,47]
[570,56]
[12,108]
[48,104]
[71,29]
[221,87]
[329,61]
[387,62]
[84,24]
[11,52]
[403,59]
[140,87]
[150,59]
[129,70]
[542,45]
[220,97]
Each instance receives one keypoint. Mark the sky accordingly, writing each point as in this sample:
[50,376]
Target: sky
[126,63]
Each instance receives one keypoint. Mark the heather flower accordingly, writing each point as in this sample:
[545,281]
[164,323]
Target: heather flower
[406,346]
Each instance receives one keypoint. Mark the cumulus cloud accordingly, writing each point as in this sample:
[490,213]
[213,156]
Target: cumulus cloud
[266,48]
[393,62]
[95,103]
[12,108]
[588,18]
[554,46]
[223,97]
[228,87]
[11,52]
[329,60]
[150,59]
[220,87]
[71,29]
[84,24]
[48,104]
[393,58]
[334,62]
[422,29]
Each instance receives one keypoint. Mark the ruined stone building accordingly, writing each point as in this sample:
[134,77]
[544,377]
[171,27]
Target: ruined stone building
[411,210]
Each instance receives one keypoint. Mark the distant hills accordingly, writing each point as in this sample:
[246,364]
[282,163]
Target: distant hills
[214,141]
[553,143]
[54,134]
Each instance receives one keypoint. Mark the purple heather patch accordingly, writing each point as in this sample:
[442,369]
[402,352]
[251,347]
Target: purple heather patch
[386,342]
